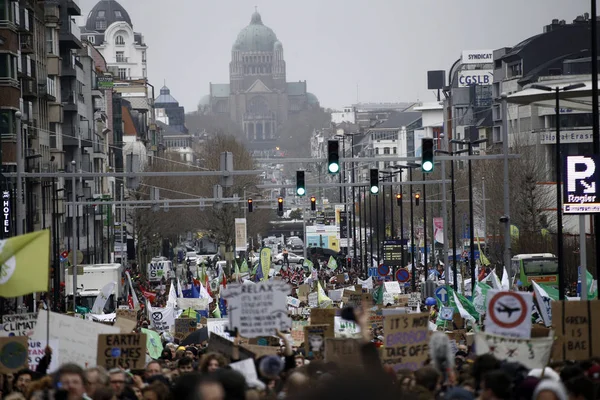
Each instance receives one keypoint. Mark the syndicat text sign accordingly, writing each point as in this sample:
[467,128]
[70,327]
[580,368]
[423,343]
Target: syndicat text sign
[477,56]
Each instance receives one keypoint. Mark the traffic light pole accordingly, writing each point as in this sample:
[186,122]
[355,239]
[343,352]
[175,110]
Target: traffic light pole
[425,223]
[412,236]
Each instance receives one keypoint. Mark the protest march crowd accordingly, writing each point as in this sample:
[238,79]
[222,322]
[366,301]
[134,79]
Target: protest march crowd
[333,336]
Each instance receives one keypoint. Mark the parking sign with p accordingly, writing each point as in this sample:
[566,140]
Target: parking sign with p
[581,183]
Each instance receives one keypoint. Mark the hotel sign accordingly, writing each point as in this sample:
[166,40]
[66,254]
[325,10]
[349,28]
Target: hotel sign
[567,136]
[6,211]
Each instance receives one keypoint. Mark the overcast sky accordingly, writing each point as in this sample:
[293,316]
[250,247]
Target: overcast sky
[382,47]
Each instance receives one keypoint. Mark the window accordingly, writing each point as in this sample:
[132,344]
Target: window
[120,56]
[50,41]
[123,73]
[100,25]
[101,14]
[143,72]
[8,123]
[118,14]
[144,56]
[395,150]
[120,40]
[386,150]
[7,66]
[91,39]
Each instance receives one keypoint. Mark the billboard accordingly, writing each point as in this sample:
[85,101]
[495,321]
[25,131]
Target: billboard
[471,77]
[581,185]
[477,56]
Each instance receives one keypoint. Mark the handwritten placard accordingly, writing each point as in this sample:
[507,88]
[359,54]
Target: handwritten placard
[576,324]
[532,353]
[37,350]
[260,309]
[219,344]
[127,314]
[13,354]
[406,343]
[193,303]
[184,326]
[343,351]
[78,337]
[18,324]
[127,351]
[298,332]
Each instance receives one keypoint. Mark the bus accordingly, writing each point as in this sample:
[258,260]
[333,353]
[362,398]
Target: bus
[541,267]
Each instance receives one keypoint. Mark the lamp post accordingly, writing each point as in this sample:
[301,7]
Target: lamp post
[412,236]
[472,263]
[557,170]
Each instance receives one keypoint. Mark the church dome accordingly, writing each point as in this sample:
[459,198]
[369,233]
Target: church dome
[104,14]
[255,37]
[312,99]
[165,97]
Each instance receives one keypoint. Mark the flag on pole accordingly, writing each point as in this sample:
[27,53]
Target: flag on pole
[102,298]
[24,262]
[244,267]
[134,303]
[332,264]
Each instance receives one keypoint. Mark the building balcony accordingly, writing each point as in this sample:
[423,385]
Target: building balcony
[10,94]
[27,44]
[55,113]
[51,13]
[69,103]
[29,89]
[53,65]
[68,70]
[70,36]
[73,7]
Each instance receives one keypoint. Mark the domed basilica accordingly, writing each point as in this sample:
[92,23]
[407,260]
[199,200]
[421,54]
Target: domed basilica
[257,96]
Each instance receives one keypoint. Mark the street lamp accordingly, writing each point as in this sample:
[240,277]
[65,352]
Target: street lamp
[469,145]
[559,229]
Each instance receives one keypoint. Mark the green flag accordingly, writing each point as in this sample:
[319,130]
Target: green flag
[480,297]
[378,295]
[332,264]
[308,265]
[244,267]
[153,343]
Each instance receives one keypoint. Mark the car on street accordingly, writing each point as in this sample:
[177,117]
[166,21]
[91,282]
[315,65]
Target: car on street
[292,258]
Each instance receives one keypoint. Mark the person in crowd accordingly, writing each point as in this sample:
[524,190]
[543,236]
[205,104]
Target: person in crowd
[22,380]
[71,379]
[156,391]
[211,362]
[118,380]
[152,368]
[185,365]
[96,378]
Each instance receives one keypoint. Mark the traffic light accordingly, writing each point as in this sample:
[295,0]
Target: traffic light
[280,205]
[427,154]
[300,186]
[374,181]
[399,199]
[249,205]
[417,198]
[333,156]
[313,203]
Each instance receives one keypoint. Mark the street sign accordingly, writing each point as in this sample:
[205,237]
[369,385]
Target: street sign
[392,252]
[383,270]
[442,294]
[508,313]
[446,313]
[373,272]
[581,179]
[402,275]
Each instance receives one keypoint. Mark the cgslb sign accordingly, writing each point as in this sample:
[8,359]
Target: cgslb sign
[581,184]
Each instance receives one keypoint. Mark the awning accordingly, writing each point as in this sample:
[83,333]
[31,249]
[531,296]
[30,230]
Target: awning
[577,99]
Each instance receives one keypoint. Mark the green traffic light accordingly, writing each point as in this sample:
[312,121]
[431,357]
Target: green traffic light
[334,168]
[427,166]
[374,189]
[300,191]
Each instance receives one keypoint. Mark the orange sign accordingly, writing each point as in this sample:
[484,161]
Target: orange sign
[543,279]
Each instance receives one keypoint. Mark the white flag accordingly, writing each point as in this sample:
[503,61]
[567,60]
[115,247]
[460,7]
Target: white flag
[179,288]
[495,281]
[102,298]
[544,302]
[505,281]
[172,300]
[136,302]
[204,294]
[367,283]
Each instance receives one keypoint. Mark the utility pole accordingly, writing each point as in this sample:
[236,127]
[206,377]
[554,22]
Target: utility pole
[506,216]
[75,238]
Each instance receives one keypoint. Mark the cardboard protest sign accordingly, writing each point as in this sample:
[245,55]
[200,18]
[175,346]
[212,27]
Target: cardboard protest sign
[260,309]
[265,341]
[18,324]
[184,326]
[193,303]
[323,316]
[406,343]
[343,351]
[217,326]
[313,300]
[127,314]
[340,278]
[13,354]
[126,351]
[343,328]
[219,344]
[532,353]
[314,339]
[375,318]
[298,332]
[303,291]
[260,351]
[576,324]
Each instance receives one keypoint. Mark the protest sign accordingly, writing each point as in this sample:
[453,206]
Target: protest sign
[402,300]
[260,351]
[248,369]
[127,314]
[298,332]
[343,351]
[575,322]
[414,300]
[313,300]
[162,319]
[322,316]
[344,328]
[13,354]
[303,291]
[265,341]
[314,339]
[193,303]
[406,343]
[336,295]
[219,344]
[78,337]
[375,318]
[18,324]
[260,309]
[509,313]
[292,301]
[532,353]
[127,351]
[392,287]
[37,350]
[184,326]
[218,326]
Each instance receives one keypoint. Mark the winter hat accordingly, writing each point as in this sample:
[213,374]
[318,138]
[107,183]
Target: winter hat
[270,366]
[554,386]
[459,393]
[193,350]
[549,373]
[526,388]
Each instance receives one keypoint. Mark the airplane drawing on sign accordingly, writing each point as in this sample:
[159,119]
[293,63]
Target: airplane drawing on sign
[506,309]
